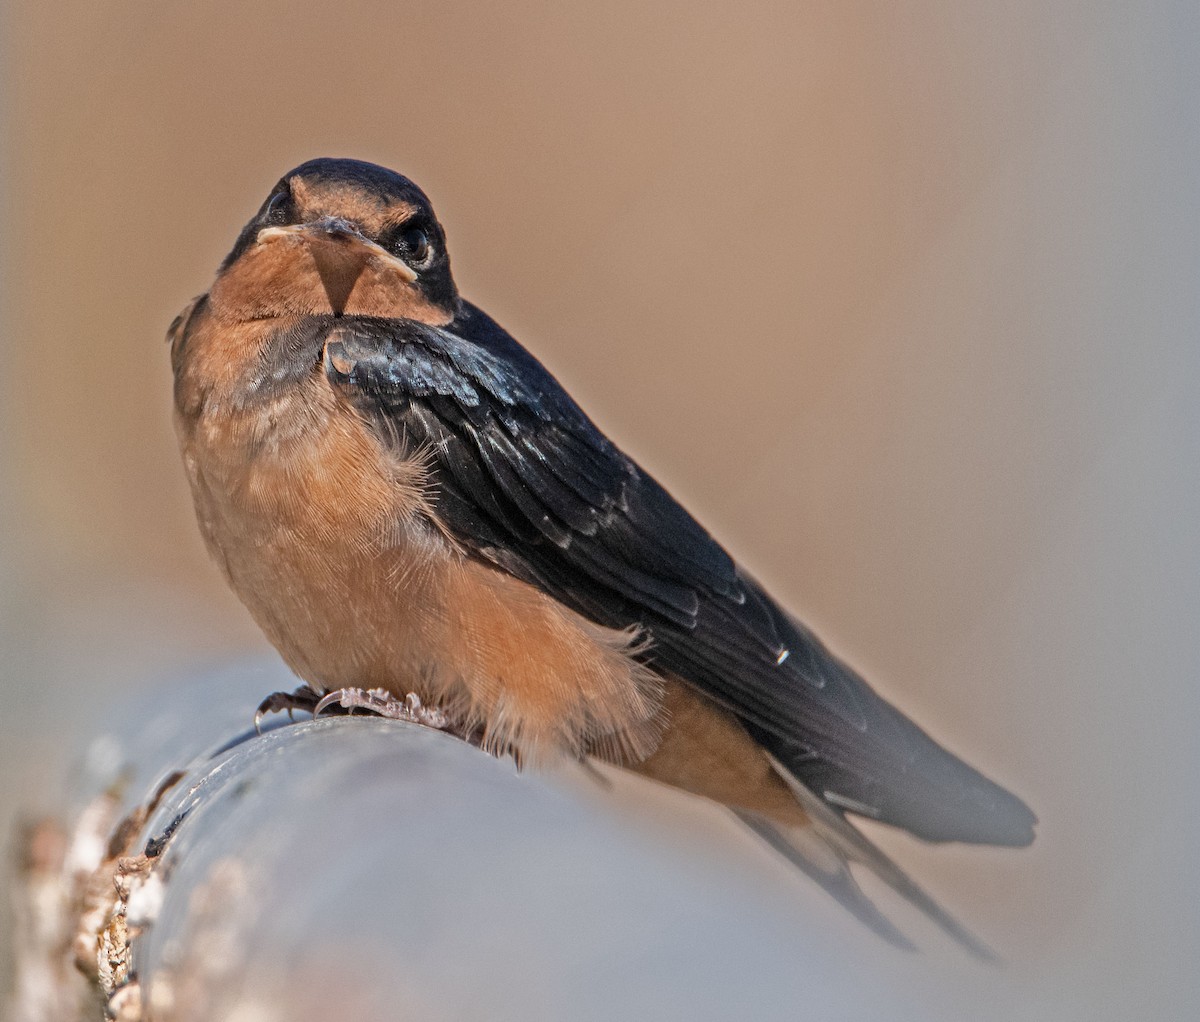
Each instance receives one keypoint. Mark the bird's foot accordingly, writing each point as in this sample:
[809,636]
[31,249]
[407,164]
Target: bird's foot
[304,698]
[381,702]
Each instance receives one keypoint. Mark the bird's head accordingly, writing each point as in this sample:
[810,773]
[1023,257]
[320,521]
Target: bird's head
[340,237]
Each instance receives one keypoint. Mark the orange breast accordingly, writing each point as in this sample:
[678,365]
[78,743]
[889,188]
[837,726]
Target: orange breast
[333,543]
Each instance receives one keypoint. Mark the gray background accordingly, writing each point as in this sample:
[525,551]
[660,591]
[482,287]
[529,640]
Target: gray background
[901,300]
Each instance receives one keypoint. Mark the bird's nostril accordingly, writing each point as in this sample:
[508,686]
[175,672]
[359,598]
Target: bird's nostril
[338,226]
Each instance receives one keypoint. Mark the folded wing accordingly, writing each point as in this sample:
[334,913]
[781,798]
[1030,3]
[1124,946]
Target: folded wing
[527,483]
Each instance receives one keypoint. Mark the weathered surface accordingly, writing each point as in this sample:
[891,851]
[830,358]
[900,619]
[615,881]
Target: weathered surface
[373,869]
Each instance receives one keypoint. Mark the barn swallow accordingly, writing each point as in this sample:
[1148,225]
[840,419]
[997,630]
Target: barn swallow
[406,500]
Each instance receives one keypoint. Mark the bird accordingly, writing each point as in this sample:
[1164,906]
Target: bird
[410,505]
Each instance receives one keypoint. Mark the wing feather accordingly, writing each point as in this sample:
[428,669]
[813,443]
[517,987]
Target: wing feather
[528,483]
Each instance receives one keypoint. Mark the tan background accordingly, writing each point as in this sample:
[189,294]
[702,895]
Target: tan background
[899,299]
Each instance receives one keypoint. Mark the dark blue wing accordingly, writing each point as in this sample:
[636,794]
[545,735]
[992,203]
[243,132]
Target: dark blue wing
[529,484]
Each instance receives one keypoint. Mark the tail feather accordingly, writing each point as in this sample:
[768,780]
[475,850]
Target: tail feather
[708,752]
[831,837]
[808,851]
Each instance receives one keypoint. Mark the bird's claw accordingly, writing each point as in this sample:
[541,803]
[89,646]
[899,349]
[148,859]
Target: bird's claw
[382,703]
[304,698]
[374,700]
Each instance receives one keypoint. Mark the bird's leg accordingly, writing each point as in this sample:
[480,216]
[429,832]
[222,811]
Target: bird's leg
[304,698]
[381,702]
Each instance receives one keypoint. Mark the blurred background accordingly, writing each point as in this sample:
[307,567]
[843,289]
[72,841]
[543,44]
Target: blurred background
[900,299]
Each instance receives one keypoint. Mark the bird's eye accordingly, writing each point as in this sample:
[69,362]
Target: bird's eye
[279,209]
[414,246]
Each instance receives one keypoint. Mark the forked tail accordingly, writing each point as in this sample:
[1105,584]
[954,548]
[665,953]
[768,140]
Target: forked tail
[825,849]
